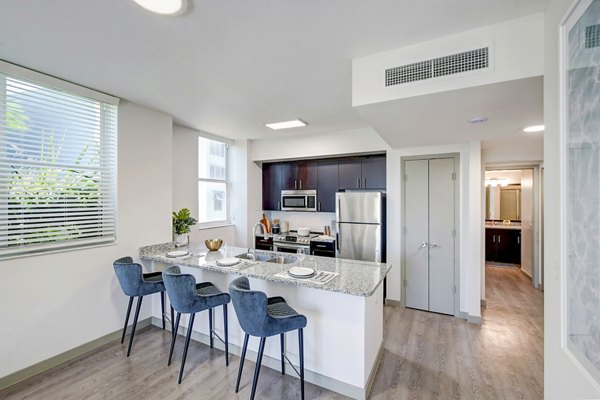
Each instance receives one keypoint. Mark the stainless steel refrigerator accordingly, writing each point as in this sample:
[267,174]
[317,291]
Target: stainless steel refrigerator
[360,223]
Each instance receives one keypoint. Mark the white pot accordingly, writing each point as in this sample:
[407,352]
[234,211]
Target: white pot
[303,231]
[181,239]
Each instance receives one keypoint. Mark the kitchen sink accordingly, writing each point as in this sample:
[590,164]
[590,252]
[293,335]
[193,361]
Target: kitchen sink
[259,257]
[281,260]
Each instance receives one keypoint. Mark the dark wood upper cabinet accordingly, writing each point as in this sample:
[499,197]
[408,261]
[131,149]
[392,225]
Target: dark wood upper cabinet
[350,174]
[271,186]
[362,173]
[327,178]
[299,175]
[373,173]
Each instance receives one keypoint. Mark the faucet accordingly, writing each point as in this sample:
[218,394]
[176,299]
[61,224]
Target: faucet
[264,229]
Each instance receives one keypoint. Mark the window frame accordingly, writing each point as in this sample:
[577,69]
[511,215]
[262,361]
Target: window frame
[225,180]
[109,143]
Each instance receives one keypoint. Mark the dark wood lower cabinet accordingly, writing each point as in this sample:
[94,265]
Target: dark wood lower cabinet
[503,245]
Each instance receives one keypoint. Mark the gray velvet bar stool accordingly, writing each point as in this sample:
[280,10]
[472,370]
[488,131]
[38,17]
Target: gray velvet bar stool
[263,317]
[137,284]
[189,297]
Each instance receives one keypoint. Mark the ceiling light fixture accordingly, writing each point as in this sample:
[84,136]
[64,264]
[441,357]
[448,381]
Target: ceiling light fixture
[534,128]
[477,120]
[164,7]
[295,123]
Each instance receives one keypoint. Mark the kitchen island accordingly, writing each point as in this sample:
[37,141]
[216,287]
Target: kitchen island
[344,334]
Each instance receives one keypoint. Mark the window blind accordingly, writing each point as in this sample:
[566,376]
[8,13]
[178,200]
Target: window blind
[57,168]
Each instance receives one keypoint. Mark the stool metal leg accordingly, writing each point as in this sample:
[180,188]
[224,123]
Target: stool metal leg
[162,307]
[173,320]
[301,354]
[187,344]
[210,327]
[135,320]
[261,350]
[226,335]
[173,336]
[282,341]
[127,318]
[237,385]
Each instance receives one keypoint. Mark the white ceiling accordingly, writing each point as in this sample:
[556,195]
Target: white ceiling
[443,118]
[229,66]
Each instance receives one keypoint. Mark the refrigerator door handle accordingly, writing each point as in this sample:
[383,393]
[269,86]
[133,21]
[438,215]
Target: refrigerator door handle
[337,241]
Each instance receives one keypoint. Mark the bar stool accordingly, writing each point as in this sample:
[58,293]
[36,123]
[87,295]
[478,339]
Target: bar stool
[137,284]
[263,317]
[188,297]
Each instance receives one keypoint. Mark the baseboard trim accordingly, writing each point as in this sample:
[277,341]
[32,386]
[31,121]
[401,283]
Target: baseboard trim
[526,275]
[374,371]
[62,358]
[470,318]
[326,382]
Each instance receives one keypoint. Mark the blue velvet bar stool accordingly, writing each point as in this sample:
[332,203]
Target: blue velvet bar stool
[263,317]
[189,297]
[137,284]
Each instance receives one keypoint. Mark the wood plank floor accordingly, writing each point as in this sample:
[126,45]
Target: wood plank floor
[426,356]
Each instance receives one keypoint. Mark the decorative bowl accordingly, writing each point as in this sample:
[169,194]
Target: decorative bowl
[213,244]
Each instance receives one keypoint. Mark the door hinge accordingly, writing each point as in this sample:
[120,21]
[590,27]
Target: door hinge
[454,288]
[453,232]
[405,177]
[404,229]
[405,283]
[454,176]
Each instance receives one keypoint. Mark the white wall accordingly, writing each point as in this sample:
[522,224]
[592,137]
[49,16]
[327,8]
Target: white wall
[185,181]
[53,303]
[319,145]
[564,379]
[520,39]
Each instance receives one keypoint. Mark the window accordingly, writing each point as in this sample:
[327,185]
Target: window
[212,182]
[57,164]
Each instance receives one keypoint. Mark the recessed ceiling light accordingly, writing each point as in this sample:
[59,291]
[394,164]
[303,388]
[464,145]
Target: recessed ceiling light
[534,128]
[295,123]
[478,120]
[163,7]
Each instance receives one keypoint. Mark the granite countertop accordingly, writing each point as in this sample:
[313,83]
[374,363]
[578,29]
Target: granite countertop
[358,278]
[512,226]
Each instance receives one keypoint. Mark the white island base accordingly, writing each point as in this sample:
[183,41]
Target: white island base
[342,341]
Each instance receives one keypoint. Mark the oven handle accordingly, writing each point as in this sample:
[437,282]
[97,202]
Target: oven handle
[278,246]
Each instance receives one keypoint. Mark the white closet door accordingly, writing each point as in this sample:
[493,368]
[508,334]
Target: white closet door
[416,236]
[441,238]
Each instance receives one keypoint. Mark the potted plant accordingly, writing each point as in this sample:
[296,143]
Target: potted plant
[182,221]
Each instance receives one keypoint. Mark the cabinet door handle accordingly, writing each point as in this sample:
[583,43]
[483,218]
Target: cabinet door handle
[300,183]
[358,183]
[365,183]
[518,239]
[319,206]
[295,184]
[494,238]
[498,238]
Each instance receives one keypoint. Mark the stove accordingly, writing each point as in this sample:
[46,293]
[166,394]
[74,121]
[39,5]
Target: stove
[290,242]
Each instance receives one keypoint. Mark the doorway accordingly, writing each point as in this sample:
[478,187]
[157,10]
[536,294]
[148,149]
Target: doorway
[512,214]
[430,239]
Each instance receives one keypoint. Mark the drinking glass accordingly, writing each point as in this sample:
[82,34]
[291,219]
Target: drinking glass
[301,254]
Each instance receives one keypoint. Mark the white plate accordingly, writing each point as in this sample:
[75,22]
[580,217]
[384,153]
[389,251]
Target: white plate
[228,262]
[301,272]
[177,253]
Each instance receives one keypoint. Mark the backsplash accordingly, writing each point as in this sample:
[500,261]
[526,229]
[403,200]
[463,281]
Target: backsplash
[315,221]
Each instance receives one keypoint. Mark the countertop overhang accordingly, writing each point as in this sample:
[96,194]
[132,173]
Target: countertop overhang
[357,278]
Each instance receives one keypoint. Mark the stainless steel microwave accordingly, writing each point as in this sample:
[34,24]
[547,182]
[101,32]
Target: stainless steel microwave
[299,200]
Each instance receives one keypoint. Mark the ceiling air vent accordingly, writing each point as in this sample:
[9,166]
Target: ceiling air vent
[437,67]
[592,36]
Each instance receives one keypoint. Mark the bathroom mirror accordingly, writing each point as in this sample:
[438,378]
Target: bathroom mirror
[503,202]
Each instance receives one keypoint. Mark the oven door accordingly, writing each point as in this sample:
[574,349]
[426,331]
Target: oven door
[289,247]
